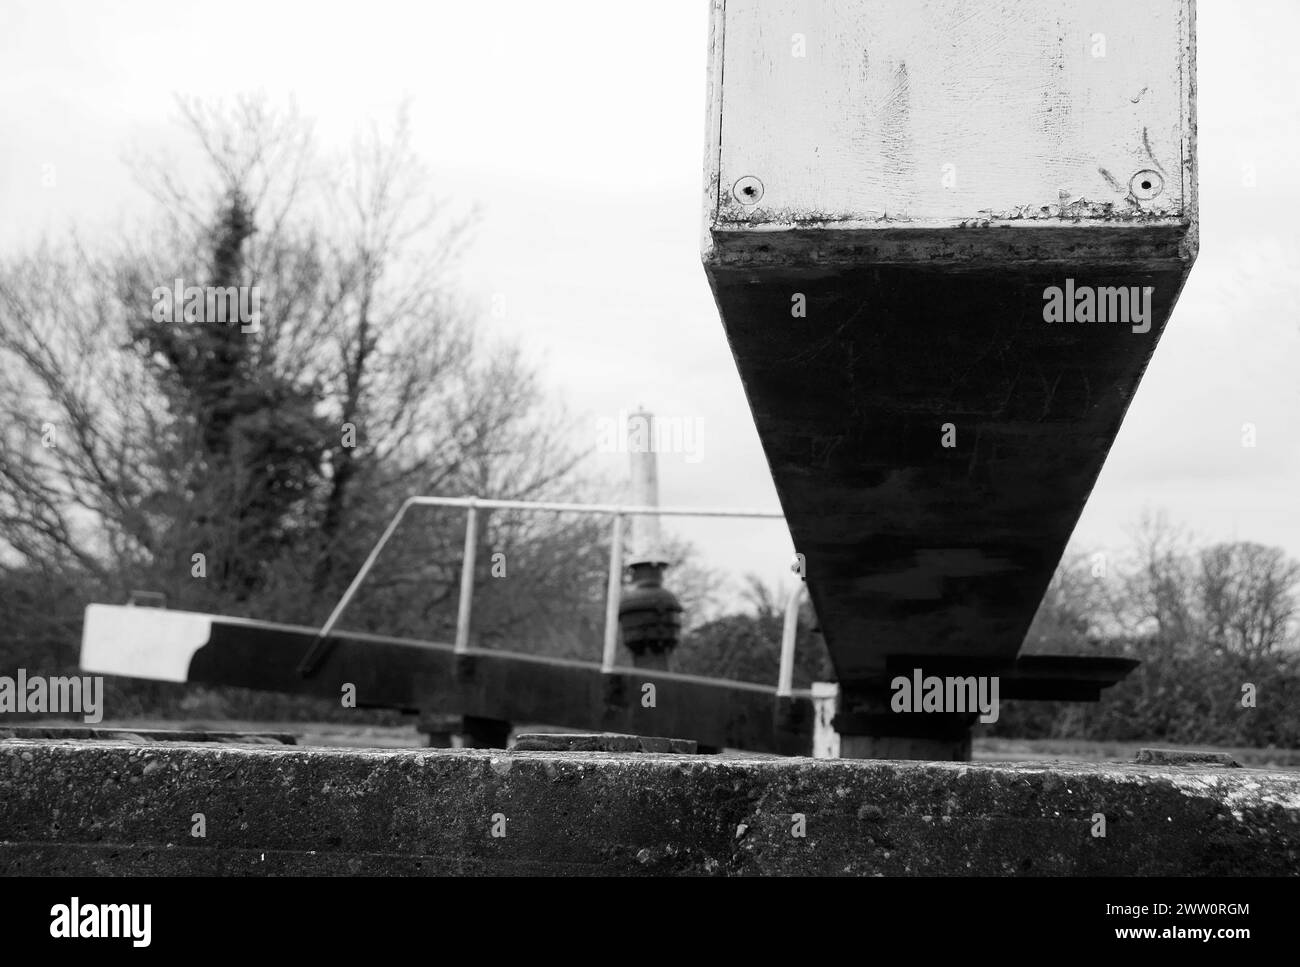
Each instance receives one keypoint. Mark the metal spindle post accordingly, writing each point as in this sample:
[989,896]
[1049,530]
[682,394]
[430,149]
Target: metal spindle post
[612,595]
[789,632]
[467,579]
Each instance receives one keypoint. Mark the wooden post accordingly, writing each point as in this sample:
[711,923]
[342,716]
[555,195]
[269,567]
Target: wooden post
[944,240]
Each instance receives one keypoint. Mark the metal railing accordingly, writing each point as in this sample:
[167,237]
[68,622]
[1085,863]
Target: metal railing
[789,632]
[618,512]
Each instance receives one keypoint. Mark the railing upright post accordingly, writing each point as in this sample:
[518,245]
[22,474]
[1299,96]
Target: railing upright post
[789,633]
[613,594]
[467,580]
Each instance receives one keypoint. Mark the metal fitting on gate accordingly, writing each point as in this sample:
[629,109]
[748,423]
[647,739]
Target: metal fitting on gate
[649,615]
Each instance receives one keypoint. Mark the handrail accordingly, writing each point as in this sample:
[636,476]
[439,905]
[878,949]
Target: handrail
[789,632]
[320,645]
[625,509]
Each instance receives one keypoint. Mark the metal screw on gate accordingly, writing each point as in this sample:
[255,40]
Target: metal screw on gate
[748,190]
[1145,185]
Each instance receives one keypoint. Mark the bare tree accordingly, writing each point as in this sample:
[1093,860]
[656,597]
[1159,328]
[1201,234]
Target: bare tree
[1160,590]
[135,445]
[1072,616]
[1247,596]
[1168,595]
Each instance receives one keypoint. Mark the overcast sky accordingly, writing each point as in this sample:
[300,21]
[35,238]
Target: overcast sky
[578,129]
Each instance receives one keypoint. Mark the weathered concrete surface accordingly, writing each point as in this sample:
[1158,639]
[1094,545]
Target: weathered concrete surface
[601,742]
[112,808]
[144,735]
[1185,757]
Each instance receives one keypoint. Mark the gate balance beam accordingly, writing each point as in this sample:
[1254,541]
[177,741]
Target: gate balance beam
[944,240]
[400,673]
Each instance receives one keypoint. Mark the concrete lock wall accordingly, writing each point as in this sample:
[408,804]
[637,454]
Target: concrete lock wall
[117,808]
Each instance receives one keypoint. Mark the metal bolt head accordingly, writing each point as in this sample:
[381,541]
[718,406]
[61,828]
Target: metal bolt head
[748,190]
[1145,185]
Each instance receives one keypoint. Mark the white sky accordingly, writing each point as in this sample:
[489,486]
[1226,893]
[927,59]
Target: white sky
[578,128]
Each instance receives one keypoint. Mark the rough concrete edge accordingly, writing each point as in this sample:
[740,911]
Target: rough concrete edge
[1063,767]
[940,820]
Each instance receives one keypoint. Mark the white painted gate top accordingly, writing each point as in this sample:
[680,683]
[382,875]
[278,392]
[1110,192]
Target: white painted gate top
[945,113]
